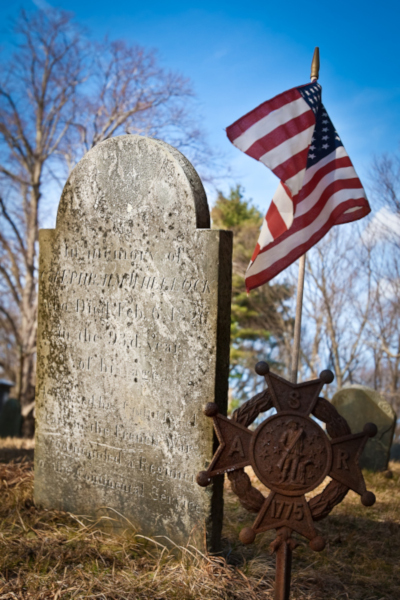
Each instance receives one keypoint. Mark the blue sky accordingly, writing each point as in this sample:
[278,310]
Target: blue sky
[239,54]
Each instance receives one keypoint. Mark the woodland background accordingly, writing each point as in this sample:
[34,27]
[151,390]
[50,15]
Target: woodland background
[61,94]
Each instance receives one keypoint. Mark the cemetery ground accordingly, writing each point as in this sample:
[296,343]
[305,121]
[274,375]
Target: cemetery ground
[50,554]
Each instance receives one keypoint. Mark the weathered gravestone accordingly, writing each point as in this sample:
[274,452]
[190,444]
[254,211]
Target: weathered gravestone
[359,404]
[134,321]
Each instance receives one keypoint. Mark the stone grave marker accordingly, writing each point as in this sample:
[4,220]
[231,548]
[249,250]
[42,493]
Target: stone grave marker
[134,324]
[359,404]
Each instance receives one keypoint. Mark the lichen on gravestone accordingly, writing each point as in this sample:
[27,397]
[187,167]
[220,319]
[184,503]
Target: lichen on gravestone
[133,340]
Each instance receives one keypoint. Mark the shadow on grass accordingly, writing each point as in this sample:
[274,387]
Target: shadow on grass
[361,560]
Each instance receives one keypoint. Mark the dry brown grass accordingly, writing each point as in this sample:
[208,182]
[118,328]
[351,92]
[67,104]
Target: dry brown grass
[53,555]
[13,443]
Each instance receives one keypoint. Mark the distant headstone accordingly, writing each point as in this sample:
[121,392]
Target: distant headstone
[134,322]
[5,387]
[10,419]
[359,404]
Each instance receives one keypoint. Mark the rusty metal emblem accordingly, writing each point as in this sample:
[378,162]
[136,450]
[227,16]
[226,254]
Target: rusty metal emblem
[291,455]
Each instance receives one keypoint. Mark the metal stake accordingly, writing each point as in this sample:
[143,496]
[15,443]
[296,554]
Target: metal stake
[283,571]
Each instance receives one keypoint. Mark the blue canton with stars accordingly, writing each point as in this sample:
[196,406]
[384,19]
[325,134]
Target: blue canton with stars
[325,138]
[312,95]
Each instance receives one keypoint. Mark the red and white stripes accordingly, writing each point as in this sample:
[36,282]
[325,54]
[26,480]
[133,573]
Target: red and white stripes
[308,201]
[332,194]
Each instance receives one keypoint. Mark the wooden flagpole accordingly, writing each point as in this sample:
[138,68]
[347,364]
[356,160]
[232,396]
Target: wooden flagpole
[297,320]
[302,267]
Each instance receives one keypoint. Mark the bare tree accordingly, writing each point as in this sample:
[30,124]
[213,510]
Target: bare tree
[37,110]
[131,93]
[338,304]
[384,325]
[385,196]
[351,317]
[384,322]
[59,96]
[385,180]
[385,338]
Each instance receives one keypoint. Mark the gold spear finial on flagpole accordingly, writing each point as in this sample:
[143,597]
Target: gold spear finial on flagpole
[315,65]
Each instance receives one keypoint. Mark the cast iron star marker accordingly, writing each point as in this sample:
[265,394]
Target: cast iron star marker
[290,454]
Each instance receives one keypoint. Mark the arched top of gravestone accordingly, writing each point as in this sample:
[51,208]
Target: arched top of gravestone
[132,181]
[356,394]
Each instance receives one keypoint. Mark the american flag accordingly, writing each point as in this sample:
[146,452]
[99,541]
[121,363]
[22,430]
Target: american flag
[319,188]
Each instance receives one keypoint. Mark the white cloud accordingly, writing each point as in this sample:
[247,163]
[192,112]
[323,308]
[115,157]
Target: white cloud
[43,5]
[384,224]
